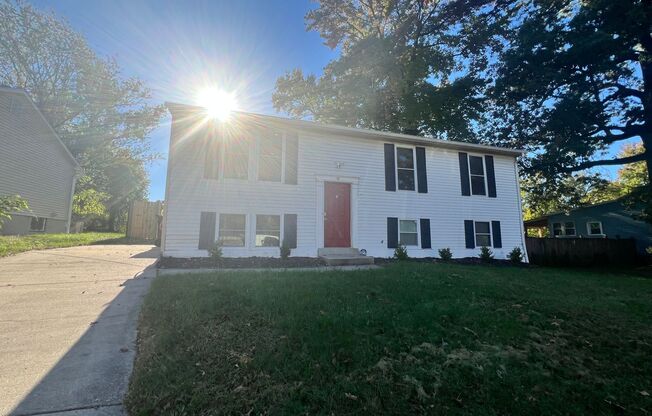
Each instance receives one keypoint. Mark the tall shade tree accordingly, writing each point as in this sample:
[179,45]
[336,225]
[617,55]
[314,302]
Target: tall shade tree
[407,66]
[573,78]
[103,118]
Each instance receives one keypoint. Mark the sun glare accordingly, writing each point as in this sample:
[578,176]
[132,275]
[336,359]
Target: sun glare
[219,104]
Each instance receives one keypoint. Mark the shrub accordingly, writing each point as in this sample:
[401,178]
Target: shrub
[486,255]
[401,253]
[285,250]
[445,254]
[12,203]
[216,252]
[516,255]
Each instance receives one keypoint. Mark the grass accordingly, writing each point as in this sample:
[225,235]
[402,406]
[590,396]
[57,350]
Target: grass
[17,244]
[406,339]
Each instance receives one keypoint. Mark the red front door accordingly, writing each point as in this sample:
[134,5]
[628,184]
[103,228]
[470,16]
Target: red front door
[337,214]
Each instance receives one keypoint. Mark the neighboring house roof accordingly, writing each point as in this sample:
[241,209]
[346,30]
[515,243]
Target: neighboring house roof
[542,218]
[363,133]
[17,91]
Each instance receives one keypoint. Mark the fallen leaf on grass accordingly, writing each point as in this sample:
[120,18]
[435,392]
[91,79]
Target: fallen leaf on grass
[350,396]
[644,393]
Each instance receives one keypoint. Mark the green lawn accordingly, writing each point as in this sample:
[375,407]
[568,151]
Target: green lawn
[17,244]
[406,339]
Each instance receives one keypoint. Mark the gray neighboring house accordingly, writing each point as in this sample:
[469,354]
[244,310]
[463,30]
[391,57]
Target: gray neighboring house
[35,164]
[606,220]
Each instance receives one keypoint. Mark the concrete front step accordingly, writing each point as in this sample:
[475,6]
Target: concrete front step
[338,251]
[345,260]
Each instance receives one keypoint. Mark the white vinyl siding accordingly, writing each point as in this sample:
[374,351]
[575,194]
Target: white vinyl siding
[360,161]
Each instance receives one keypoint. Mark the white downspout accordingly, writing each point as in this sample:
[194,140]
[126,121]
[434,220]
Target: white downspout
[72,195]
[520,211]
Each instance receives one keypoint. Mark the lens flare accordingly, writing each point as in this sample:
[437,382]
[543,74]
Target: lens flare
[218,103]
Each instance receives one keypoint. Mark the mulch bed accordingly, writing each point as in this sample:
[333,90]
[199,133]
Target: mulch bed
[463,261]
[293,262]
[238,263]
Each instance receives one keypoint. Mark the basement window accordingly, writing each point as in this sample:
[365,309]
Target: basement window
[37,224]
[232,230]
[408,235]
[268,230]
[482,234]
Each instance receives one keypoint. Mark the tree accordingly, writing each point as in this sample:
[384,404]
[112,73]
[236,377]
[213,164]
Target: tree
[404,67]
[10,204]
[102,118]
[573,77]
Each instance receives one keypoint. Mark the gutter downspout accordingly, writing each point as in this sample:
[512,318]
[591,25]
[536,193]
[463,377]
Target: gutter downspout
[520,211]
[72,195]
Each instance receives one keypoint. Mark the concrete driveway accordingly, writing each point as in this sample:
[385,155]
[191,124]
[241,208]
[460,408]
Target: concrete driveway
[68,327]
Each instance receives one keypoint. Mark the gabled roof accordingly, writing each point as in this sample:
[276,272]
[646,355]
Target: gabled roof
[21,92]
[361,133]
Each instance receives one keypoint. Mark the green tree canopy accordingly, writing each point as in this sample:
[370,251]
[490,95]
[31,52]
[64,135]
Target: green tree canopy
[103,118]
[405,66]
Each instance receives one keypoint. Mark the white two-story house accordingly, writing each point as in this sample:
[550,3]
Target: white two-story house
[255,181]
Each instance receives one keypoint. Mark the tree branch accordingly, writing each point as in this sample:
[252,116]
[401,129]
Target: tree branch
[608,162]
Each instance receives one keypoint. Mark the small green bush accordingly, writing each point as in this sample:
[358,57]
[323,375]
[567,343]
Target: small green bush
[445,254]
[216,252]
[486,255]
[516,255]
[401,253]
[285,250]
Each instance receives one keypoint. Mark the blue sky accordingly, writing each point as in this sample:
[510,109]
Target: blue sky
[176,48]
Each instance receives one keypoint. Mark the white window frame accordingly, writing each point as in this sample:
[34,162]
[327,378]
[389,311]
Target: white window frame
[280,231]
[475,234]
[484,174]
[588,228]
[564,232]
[414,169]
[418,232]
[42,229]
[219,230]
[259,140]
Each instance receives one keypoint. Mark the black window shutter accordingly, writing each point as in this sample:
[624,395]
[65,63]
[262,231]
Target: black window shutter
[464,174]
[290,230]
[390,168]
[291,158]
[469,233]
[212,158]
[421,170]
[206,230]
[425,233]
[491,176]
[497,236]
[392,232]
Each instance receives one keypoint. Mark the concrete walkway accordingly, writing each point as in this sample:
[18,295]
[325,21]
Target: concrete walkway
[68,328]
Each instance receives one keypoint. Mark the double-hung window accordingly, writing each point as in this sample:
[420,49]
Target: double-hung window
[236,158]
[408,235]
[405,168]
[477,172]
[594,228]
[268,230]
[270,157]
[482,234]
[563,229]
[232,230]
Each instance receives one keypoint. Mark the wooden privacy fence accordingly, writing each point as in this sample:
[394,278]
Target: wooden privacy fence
[144,220]
[581,251]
